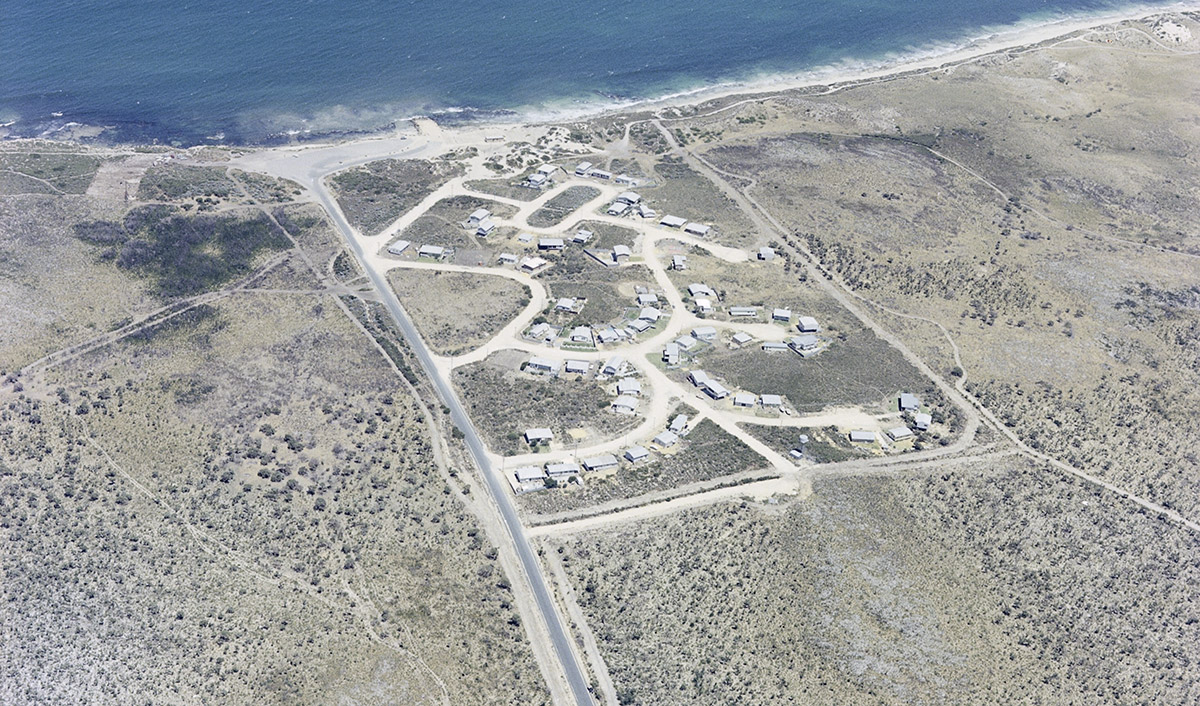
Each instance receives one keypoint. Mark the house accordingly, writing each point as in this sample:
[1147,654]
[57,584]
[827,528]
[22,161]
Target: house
[922,421]
[646,212]
[784,315]
[741,338]
[533,264]
[900,433]
[613,365]
[608,335]
[670,354]
[565,304]
[679,262]
[562,469]
[626,179]
[600,174]
[697,229]
[548,169]
[715,390]
[774,346]
[686,343]
[650,314]
[771,401]
[625,404]
[909,402]
[743,312]
[803,343]
[582,236]
[398,247]
[551,244]
[704,305]
[696,289]
[807,324]
[766,254]
[576,367]
[533,437]
[704,333]
[647,298]
[699,378]
[529,474]
[582,334]
[537,180]
[486,226]
[745,399]
[679,423]
[437,252]
[639,326]
[667,439]
[540,332]
[507,258]
[629,197]
[525,238]
[629,386]
[538,364]
[583,169]
[862,436]
[672,221]
[621,251]
[617,208]
[479,215]
[600,463]
[636,454]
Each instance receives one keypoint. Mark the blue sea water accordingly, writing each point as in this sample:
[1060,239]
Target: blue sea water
[194,71]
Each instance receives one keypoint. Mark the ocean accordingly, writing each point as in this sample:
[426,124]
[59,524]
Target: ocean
[203,71]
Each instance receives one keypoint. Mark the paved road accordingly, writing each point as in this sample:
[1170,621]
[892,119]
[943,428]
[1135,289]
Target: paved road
[529,561]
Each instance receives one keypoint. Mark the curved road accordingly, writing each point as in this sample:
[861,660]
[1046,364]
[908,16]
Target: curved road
[529,561]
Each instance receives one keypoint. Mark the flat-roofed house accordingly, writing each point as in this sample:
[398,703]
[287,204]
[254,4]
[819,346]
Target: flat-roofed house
[743,312]
[600,174]
[577,367]
[529,474]
[670,354]
[666,439]
[774,346]
[540,435]
[672,221]
[647,299]
[613,365]
[625,404]
[486,226]
[699,378]
[704,333]
[532,263]
[625,179]
[564,304]
[803,343]
[704,305]
[745,399]
[741,338]
[536,180]
[686,343]
[771,401]
[581,236]
[784,315]
[678,424]
[537,364]
[908,402]
[697,289]
[697,229]
[398,247]
[715,390]
[478,216]
[900,433]
[922,421]
[582,334]
[507,258]
[600,463]
[629,197]
[636,454]
[548,169]
[583,168]
[679,262]
[807,324]
[862,436]
[621,251]
[617,208]
[551,244]
[562,469]
[525,238]
[650,314]
[629,386]
[767,254]
[437,252]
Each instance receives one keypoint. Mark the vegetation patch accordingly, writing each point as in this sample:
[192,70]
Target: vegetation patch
[46,172]
[457,312]
[377,193]
[177,182]
[557,209]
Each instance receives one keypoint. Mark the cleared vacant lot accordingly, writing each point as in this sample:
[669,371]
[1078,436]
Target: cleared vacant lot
[457,311]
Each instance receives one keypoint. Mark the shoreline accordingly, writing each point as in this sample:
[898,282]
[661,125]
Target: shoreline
[846,74]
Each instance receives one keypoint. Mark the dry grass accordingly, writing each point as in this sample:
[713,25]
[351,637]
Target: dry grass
[467,310]
[375,194]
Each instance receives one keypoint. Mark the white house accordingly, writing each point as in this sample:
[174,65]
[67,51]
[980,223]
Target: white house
[551,244]
[670,354]
[678,424]
[696,289]
[537,180]
[743,312]
[774,346]
[697,229]
[582,334]
[548,169]
[565,304]
[600,174]
[576,367]
[650,314]
[900,433]
[647,298]
[679,262]
[617,208]
[646,212]
[667,439]
[625,404]
[807,324]
[478,216]
[607,335]
[529,474]
[537,364]
[908,402]
[437,252]
[507,258]
[486,226]
[613,365]
[629,386]
[620,251]
[771,401]
[533,264]
[922,421]
[540,332]
[741,338]
[636,454]
[745,399]
[766,254]
[803,343]
[784,315]
[715,390]
[862,436]
[704,333]
[583,168]
[704,305]
[672,221]
[525,238]
[600,463]
[629,197]
[686,343]
[698,378]
[541,435]
[562,468]
[639,326]
[398,247]
[582,236]
[626,179]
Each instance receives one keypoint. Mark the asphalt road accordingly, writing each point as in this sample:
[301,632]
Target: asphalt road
[529,561]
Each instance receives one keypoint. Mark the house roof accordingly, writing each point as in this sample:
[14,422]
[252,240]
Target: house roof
[601,461]
[636,453]
[667,438]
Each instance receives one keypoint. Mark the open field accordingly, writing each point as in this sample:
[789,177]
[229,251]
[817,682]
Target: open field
[506,188]
[176,182]
[557,209]
[375,194]
[825,445]
[683,192]
[707,452]
[917,590]
[260,518]
[504,402]
[609,290]
[466,311]
[45,170]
